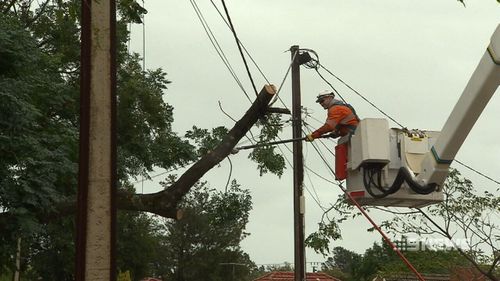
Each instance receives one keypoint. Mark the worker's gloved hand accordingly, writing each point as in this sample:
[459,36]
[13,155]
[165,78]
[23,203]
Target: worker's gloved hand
[309,138]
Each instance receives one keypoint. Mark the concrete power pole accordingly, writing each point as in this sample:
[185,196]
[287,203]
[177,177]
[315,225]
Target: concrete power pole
[96,217]
[298,170]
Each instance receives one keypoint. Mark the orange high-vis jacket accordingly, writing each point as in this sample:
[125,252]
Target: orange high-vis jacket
[340,120]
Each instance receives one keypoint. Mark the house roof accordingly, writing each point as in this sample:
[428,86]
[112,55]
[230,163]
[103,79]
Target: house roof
[289,276]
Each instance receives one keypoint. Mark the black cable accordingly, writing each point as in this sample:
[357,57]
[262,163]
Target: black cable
[360,95]
[234,120]
[230,173]
[290,164]
[165,172]
[276,97]
[331,86]
[242,45]
[239,47]
[477,172]
[394,120]
[218,48]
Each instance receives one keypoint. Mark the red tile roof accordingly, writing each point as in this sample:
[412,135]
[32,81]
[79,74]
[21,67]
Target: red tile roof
[289,276]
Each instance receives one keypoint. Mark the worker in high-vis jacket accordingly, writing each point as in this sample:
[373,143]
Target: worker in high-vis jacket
[341,118]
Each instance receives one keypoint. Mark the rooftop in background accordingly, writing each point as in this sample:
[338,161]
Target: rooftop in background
[289,276]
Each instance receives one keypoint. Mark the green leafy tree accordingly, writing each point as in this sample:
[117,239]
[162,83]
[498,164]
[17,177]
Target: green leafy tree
[466,212]
[381,260]
[39,90]
[342,264]
[138,243]
[205,243]
[39,79]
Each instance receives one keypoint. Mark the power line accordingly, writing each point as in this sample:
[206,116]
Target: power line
[360,95]
[477,172]
[423,213]
[316,200]
[239,47]
[394,120]
[386,238]
[230,172]
[143,38]
[241,43]
[218,48]
[276,97]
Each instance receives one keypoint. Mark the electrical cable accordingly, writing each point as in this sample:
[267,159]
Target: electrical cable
[254,62]
[276,97]
[331,86]
[230,173]
[307,189]
[360,95]
[386,238]
[218,48]
[143,39]
[239,47]
[313,63]
[431,220]
[234,120]
[320,140]
[477,172]
[394,120]
[243,46]
[165,172]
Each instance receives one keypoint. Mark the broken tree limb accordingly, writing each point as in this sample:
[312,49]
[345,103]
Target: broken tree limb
[164,203]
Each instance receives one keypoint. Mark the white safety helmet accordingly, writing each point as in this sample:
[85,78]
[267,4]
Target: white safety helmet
[323,94]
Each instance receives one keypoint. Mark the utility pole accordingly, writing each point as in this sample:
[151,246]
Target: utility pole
[96,217]
[298,170]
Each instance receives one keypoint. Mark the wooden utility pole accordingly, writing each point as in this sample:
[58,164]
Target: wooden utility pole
[298,170]
[96,217]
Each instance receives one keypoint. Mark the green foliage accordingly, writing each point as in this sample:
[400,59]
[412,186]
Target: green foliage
[37,142]
[138,240]
[342,264]
[268,160]
[206,141]
[266,157]
[320,240]
[382,260]
[145,138]
[39,109]
[204,244]
[131,11]
[437,262]
[48,253]
[345,260]
[466,212]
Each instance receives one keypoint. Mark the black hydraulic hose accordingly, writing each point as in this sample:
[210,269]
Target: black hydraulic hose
[396,185]
[402,176]
[418,188]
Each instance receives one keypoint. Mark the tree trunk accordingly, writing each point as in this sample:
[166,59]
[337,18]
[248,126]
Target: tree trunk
[164,203]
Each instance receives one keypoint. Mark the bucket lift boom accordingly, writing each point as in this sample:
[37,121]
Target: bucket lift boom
[395,167]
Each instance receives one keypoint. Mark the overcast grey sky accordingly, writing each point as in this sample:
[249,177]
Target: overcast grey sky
[411,58]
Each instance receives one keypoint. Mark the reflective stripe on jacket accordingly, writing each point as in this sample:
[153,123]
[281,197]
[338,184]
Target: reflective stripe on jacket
[340,119]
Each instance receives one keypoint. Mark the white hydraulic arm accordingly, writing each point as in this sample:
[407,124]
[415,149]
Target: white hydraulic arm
[481,87]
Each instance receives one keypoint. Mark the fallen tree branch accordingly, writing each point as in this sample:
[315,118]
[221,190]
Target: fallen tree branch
[164,203]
